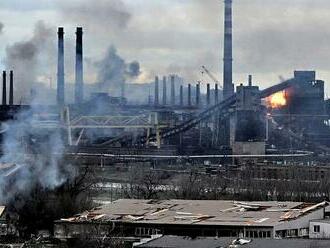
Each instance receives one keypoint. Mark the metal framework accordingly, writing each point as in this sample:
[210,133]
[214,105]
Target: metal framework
[112,122]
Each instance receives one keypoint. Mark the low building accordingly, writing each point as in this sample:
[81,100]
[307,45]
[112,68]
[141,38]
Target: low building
[143,218]
[319,229]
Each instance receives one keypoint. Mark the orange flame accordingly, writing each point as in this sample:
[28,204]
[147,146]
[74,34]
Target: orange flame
[277,100]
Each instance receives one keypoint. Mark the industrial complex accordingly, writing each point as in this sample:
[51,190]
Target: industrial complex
[200,164]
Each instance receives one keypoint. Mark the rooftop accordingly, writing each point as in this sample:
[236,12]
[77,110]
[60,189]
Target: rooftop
[198,212]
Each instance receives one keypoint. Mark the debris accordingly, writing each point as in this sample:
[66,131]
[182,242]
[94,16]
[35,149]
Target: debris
[134,218]
[239,242]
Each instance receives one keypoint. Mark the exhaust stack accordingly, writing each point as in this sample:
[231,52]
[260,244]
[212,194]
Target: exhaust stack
[189,95]
[4,88]
[197,95]
[208,99]
[164,91]
[250,80]
[172,91]
[79,86]
[156,100]
[11,88]
[216,94]
[60,67]
[181,95]
[228,87]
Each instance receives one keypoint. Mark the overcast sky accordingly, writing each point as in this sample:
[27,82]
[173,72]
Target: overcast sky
[271,37]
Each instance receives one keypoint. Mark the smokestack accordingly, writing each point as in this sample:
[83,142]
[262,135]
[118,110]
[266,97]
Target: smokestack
[4,88]
[228,87]
[208,94]
[216,94]
[189,95]
[250,80]
[197,95]
[181,95]
[156,91]
[79,86]
[172,91]
[11,88]
[164,91]
[60,67]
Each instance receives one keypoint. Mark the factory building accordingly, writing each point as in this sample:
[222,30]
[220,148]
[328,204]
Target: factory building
[143,218]
[247,124]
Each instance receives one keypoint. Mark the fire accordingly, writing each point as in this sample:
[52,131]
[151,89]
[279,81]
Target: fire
[277,100]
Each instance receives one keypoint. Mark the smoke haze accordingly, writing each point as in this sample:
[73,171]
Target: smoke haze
[29,58]
[36,154]
[114,71]
[1,27]
[97,14]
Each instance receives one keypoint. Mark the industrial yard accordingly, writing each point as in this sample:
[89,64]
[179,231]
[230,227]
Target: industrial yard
[97,151]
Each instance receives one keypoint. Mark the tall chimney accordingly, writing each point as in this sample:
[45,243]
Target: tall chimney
[181,95]
[250,80]
[60,67]
[79,86]
[216,94]
[208,94]
[11,88]
[156,91]
[172,91]
[164,91]
[4,88]
[197,95]
[228,87]
[189,95]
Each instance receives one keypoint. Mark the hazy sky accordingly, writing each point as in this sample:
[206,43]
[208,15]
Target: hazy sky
[271,37]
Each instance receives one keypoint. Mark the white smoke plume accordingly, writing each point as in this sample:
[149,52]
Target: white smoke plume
[35,155]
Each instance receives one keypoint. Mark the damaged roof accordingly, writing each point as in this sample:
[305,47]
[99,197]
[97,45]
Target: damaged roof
[198,212]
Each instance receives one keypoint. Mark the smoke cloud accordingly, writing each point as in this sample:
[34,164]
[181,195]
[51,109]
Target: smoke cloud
[28,58]
[1,27]
[98,14]
[114,71]
[35,154]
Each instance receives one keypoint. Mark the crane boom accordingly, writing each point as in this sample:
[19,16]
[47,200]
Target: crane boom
[204,69]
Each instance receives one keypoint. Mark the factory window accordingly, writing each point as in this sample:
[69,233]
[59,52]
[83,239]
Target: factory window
[292,233]
[317,228]
[258,234]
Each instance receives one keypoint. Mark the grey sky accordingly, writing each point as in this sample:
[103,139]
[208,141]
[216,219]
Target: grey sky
[271,37]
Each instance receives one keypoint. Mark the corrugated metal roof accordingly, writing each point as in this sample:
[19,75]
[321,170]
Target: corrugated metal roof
[199,212]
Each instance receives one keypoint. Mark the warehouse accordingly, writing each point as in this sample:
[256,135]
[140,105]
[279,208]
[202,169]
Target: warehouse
[143,218]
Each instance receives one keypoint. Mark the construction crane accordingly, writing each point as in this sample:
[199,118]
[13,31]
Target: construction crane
[205,70]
